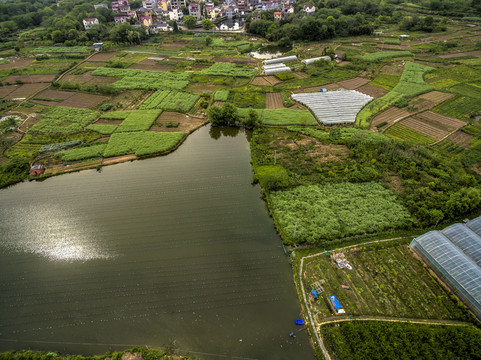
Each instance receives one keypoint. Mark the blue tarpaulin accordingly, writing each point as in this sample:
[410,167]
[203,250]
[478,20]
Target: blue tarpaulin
[335,302]
[314,294]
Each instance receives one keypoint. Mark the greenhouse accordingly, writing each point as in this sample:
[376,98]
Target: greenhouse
[334,107]
[455,256]
[281,59]
[313,60]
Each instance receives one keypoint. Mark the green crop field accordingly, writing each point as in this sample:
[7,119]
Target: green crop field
[229,69]
[381,55]
[23,150]
[385,280]
[401,132]
[170,100]
[315,213]
[221,95]
[102,128]
[138,120]
[282,117]
[143,79]
[142,143]
[375,340]
[115,115]
[83,153]
[459,107]
[385,81]
[62,49]
[245,99]
[411,84]
[64,120]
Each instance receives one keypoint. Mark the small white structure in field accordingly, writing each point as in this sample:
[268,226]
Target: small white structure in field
[275,68]
[310,61]
[334,107]
[281,59]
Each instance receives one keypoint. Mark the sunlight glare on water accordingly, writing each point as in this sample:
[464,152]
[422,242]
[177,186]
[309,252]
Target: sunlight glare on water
[53,232]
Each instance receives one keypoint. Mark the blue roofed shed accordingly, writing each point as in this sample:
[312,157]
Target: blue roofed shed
[336,305]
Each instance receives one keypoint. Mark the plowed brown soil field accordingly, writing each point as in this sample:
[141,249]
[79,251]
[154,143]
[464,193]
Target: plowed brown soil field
[352,84]
[274,101]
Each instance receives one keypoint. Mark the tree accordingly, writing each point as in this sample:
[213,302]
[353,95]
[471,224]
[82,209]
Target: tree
[225,115]
[208,40]
[207,24]
[252,121]
[189,22]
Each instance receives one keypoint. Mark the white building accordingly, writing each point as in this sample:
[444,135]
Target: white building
[194,10]
[89,22]
[175,14]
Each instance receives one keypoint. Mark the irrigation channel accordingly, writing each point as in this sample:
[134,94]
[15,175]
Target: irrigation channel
[176,250]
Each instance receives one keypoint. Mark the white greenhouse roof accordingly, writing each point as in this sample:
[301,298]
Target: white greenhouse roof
[456,253]
[334,107]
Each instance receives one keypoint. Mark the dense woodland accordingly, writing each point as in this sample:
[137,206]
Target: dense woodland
[385,340]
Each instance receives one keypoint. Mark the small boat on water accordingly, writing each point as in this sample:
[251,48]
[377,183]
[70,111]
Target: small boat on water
[299,322]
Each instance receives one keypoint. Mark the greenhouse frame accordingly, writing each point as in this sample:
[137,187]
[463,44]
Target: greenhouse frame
[334,107]
[454,254]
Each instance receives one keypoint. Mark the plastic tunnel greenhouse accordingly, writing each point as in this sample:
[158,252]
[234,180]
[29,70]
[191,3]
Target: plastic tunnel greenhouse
[454,254]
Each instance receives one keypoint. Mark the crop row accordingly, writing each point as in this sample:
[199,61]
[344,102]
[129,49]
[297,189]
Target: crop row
[229,69]
[143,79]
[221,95]
[64,120]
[139,120]
[61,49]
[141,143]
[399,131]
[83,153]
[52,148]
[282,117]
[170,100]
[411,84]
[381,55]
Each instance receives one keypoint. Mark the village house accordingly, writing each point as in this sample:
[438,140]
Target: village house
[177,4]
[163,5]
[175,14]
[194,10]
[120,20]
[278,16]
[288,10]
[37,169]
[242,6]
[149,4]
[309,9]
[89,22]
[120,6]
[146,20]
[160,27]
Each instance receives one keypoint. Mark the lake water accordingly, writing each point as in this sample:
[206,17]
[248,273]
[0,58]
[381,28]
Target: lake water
[176,250]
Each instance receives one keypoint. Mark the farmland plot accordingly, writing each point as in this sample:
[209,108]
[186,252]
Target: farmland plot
[68,98]
[282,117]
[141,143]
[372,91]
[142,79]
[416,124]
[383,282]
[138,120]
[352,84]
[65,120]
[401,132]
[461,138]
[229,69]
[25,91]
[170,100]
[274,101]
